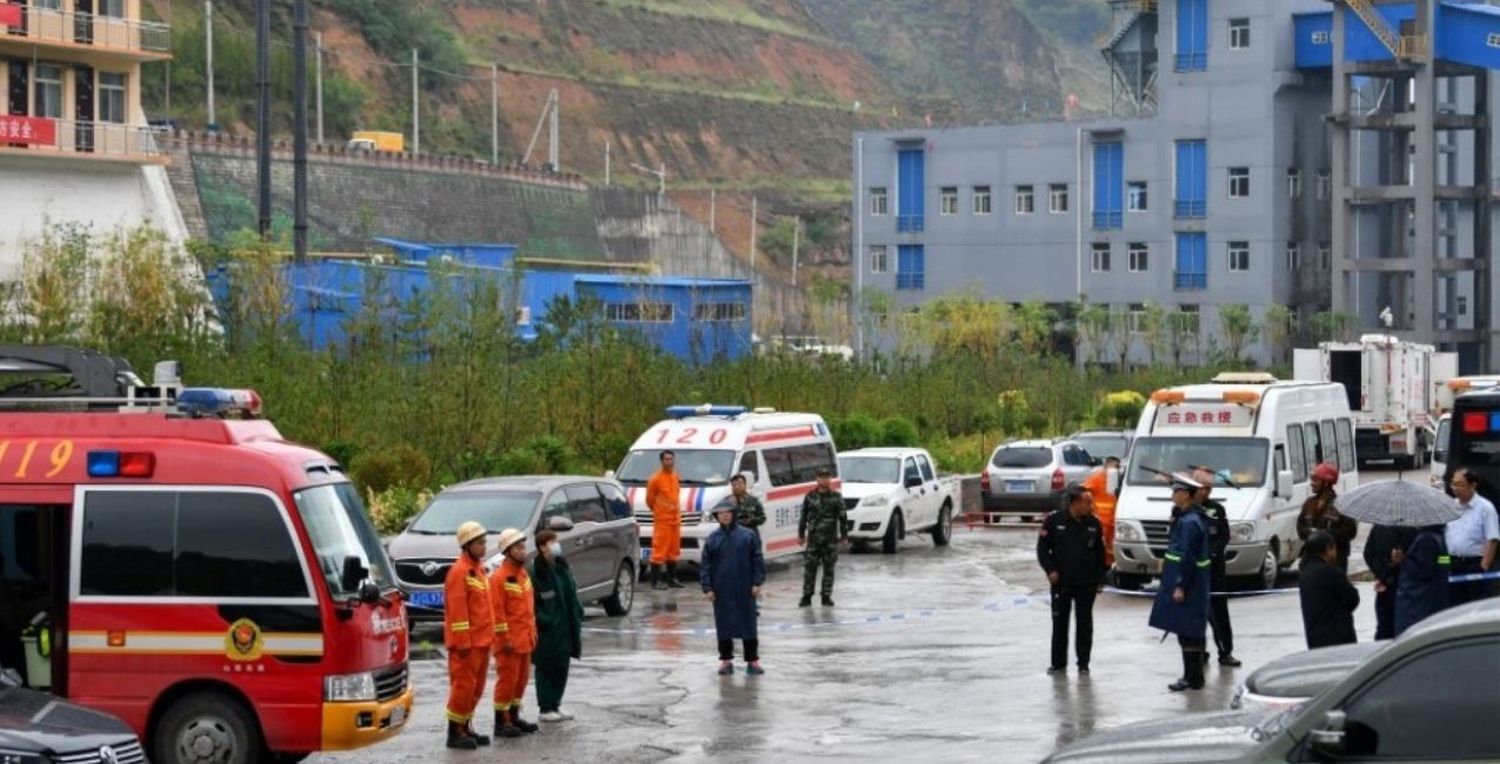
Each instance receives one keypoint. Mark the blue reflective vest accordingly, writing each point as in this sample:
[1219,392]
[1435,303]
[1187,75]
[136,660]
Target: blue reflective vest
[1186,566]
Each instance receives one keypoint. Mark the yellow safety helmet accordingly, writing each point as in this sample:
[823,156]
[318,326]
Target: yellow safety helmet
[509,538]
[468,532]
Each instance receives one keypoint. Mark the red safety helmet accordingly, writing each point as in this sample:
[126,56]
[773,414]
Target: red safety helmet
[1326,473]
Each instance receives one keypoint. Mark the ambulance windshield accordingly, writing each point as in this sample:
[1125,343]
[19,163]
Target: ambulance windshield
[338,526]
[694,467]
[1152,460]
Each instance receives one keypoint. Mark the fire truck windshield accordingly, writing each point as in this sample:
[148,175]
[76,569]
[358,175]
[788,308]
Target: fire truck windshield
[338,527]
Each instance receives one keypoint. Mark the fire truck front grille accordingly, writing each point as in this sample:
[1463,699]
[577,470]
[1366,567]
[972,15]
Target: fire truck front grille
[390,682]
[125,753]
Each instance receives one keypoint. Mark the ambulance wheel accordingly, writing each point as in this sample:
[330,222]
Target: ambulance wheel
[1270,568]
[618,602]
[943,532]
[207,727]
[894,530]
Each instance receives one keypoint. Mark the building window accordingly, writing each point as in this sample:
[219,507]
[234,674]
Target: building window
[911,193]
[1109,185]
[1293,256]
[1135,317]
[639,312]
[1239,34]
[1294,183]
[948,200]
[1320,37]
[1494,40]
[1057,198]
[719,311]
[112,98]
[1025,200]
[48,91]
[1135,196]
[114,9]
[1138,254]
[1101,257]
[880,204]
[1191,320]
[1325,184]
[982,204]
[1192,36]
[880,259]
[1239,256]
[1239,182]
[1191,190]
[1325,255]
[911,267]
[1192,262]
[1461,303]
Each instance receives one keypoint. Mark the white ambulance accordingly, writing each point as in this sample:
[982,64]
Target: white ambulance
[781,452]
[1263,437]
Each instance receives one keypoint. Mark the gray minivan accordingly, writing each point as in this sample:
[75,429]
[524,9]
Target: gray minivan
[590,515]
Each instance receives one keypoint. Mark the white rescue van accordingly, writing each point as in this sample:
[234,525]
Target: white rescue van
[1264,437]
[782,452]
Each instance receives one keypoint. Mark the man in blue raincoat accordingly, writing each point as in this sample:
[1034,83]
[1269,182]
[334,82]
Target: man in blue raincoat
[1181,605]
[732,570]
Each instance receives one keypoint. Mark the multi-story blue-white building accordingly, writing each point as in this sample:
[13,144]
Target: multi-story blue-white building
[1268,159]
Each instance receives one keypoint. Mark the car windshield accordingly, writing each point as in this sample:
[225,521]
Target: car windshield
[495,510]
[869,469]
[1022,456]
[339,527]
[1153,460]
[694,467]
[1103,446]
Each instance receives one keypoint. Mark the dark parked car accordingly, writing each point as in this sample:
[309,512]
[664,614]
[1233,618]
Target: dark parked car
[591,516]
[1297,678]
[38,728]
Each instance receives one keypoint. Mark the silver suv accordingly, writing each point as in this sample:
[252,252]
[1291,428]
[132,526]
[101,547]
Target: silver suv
[1028,476]
[590,515]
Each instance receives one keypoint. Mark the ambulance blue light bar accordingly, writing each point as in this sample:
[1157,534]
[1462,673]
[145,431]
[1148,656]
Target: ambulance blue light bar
[105,464]
[707,409]
[216,401]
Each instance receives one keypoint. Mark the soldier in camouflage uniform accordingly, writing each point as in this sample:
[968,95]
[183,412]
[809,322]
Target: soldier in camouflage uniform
[821,529]
[752,514]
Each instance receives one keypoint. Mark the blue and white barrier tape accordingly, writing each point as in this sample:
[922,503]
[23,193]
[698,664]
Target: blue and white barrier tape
[994,606]
[1464,578]
[1152,592]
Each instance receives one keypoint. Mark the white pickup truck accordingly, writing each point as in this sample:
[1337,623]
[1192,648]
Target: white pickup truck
[892,491]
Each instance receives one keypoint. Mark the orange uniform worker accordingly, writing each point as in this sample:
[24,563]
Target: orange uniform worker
[1103,485]
[515,634]
[468,633]
[662,492]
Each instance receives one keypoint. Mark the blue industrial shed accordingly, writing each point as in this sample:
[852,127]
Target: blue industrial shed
[1466,34]
[695,319]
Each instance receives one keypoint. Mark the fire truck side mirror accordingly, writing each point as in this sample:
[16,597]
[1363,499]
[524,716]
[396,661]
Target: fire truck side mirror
[369,593]
[354,575]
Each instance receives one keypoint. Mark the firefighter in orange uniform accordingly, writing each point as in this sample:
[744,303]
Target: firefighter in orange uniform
[662,492]
[468,633]
[1103,485]
[515,634]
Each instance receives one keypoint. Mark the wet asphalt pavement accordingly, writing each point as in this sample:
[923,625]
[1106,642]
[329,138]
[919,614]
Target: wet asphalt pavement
[931,653]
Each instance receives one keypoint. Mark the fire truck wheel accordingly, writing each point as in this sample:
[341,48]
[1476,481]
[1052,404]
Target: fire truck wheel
[207,727]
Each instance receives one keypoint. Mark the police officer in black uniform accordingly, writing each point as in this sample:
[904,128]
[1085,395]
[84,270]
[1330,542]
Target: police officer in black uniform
[1218,539]
[1070,548]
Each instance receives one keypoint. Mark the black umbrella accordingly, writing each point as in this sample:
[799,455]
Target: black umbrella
[1399,503]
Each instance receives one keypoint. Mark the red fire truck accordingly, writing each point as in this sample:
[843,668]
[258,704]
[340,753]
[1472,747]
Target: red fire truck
[167,557]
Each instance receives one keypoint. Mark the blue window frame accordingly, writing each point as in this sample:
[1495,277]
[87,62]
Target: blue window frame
[1192,262]
[911,267]
[1191,192]
[1109,185]
[1192,36]
[910,189]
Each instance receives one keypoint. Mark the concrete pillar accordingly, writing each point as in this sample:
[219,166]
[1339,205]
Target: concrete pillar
[1341,178]
[1424,187]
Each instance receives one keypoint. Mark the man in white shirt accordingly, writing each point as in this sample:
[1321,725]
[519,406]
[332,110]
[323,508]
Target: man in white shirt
[1472,540]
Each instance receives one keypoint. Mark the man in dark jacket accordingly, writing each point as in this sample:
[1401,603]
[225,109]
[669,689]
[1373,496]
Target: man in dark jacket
[1070,548]
[732,571]
[1384,550]
[1423,586]
[1328,599]
[559,625]
[1218,541]
[1181,605]
[1320,513]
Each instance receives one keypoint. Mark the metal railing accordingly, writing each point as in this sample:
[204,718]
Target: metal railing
[52,25]
[1109,219]
[1190,209]
[910,223]
[1187,280]
[106,139]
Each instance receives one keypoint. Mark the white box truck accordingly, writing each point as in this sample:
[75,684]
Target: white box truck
[1390,386]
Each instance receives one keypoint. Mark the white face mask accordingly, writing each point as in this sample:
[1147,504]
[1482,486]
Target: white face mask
[555,548]
[1112,481]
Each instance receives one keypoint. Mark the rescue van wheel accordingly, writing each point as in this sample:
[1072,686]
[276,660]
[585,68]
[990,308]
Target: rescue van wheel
[943,533]
[618,603]
[206,727]
[894,530]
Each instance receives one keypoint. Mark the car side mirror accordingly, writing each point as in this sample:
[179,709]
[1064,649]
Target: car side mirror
[353,575]
[1095,461]
[609,474]
[1329,739]
[913,481]
[1284,484]
[559,524]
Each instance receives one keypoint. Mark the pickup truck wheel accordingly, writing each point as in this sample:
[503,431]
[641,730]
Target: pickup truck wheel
[894,530]
[207,727]
[1129,582]
[619,601]
[943,532]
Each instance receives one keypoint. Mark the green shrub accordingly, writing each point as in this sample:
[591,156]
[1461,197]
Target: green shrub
[398,466]
[392,508]
[542,455]
[1121,408]
[898,432]
[857,430]
[342,451]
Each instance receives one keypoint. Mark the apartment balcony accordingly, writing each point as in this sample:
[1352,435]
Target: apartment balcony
[85,33]
[911,223]
[1188,281]
[1190,209]
[1109,220]
[56,139]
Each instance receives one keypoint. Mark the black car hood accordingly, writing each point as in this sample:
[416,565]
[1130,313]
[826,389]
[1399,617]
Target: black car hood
[1214,737]
[36,721]
[1308,673]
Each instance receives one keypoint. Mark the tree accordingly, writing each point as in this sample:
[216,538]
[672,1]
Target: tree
[1153,329]
[961,323]
[1091,326]
[1121,338]
[1277,326]
[1329,326]
[1182,332]
[1034,327]
[1238,327]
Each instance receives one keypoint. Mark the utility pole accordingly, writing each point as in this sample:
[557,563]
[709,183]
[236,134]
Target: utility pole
[494,114]
[754,224]
[553,156]
[416,108]
[299,131]
[713,210]
[318,65]
[263,115]
[208,57]
[661,183]
[606,164]
[796,241]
